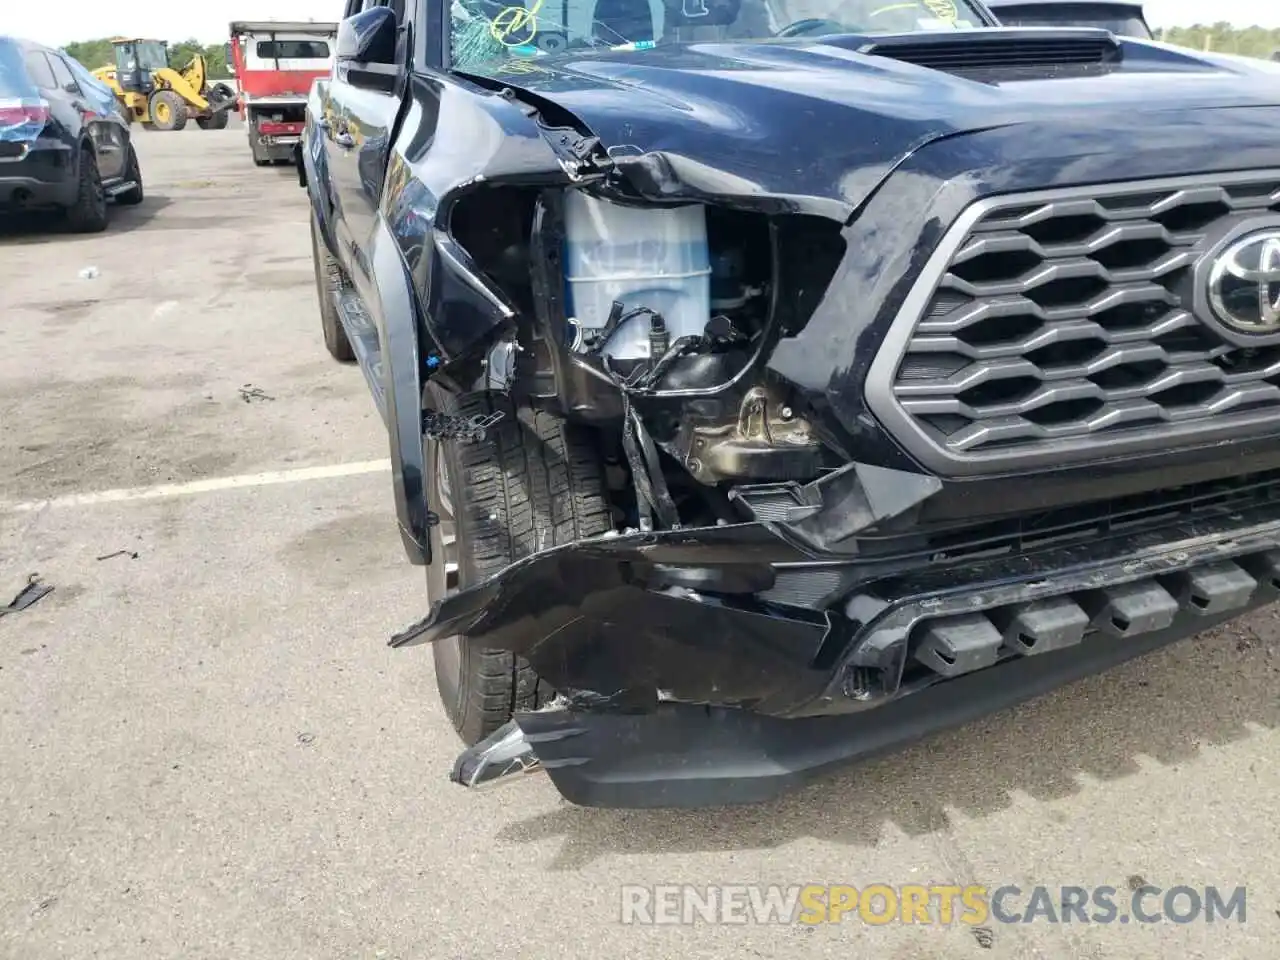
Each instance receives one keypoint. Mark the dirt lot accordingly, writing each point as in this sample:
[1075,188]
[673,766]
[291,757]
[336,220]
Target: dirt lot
[209,750]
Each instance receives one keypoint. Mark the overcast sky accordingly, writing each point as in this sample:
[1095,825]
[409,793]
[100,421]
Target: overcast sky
[57,22]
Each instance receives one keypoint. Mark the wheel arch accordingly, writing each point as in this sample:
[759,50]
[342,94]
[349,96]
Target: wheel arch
[316,172]
[393,305]
[84,144]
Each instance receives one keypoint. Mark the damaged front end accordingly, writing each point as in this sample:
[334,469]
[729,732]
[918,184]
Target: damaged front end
[728,664]
[784,588]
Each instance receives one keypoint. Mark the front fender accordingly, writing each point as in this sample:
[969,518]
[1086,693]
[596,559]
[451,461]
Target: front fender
[314,170]
[393,305]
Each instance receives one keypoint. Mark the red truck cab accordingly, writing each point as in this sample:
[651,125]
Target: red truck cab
[276,62]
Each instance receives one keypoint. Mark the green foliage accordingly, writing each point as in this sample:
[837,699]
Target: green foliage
[99,53]
[1224,38]
[92,53]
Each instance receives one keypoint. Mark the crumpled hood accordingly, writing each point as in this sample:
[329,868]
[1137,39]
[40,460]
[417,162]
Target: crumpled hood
[818,119]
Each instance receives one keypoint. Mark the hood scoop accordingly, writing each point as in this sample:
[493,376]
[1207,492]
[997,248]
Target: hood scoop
[1040,52]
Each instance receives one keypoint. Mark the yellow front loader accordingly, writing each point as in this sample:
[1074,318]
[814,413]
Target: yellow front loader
[157,95]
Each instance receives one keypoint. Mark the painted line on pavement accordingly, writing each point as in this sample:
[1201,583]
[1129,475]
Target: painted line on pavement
[165,490]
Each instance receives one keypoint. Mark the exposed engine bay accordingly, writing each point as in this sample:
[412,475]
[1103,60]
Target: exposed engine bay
[657,319]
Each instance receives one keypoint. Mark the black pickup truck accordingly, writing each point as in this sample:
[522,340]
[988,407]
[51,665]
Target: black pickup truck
[766,389]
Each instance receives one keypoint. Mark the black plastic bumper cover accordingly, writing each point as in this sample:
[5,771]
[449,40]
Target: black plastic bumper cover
[34,193]
[684,756]
[679,697]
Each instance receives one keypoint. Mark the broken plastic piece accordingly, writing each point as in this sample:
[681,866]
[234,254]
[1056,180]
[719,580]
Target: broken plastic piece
[33,591]
[496,759]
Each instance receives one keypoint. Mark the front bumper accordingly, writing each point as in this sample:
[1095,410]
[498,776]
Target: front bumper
[19,194]
[272,138]
[684,756]
[729,664]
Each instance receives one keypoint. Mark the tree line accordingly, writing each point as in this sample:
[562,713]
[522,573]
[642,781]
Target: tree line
[1224,38]
[99,53]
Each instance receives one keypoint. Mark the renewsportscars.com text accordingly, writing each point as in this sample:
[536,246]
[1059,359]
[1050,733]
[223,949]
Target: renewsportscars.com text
[879,904]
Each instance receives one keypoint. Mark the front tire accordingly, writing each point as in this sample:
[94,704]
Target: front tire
[168,110]
[329,279]
[534,482]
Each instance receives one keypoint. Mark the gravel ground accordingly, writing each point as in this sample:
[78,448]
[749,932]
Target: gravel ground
[209,751]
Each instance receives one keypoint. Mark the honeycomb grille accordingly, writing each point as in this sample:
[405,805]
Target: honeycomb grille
[1069,321]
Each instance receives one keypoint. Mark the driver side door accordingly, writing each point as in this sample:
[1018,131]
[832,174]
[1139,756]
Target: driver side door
[364,105]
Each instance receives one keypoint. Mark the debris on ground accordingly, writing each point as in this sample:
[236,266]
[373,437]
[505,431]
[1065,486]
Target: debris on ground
[131,554]
[249,393]
[306,738]
[33,591]
[88,273]
[985,936]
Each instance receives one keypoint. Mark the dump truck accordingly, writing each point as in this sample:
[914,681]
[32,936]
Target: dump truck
[275,63]
[161,96]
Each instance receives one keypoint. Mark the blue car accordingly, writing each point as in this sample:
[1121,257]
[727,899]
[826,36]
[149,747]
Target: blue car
[65,146]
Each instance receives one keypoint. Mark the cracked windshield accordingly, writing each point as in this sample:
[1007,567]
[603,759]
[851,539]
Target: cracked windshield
[487,34]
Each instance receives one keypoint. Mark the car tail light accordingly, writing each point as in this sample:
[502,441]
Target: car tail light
[22,113]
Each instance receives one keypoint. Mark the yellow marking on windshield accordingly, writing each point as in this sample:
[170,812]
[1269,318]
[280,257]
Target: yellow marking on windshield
[943,9]
[520,67]
[513,20]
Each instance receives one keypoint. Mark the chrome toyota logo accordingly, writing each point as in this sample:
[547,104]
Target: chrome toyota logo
[1244,284]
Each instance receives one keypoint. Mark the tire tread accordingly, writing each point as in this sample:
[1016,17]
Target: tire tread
[533,483]
[84,216]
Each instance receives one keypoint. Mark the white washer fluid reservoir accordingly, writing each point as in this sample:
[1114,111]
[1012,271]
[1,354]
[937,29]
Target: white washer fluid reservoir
[653,257]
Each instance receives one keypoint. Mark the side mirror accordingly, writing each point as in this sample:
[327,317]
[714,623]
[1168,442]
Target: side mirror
[368,38]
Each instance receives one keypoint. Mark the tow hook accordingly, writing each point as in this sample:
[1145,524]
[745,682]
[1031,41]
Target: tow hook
[498,758]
